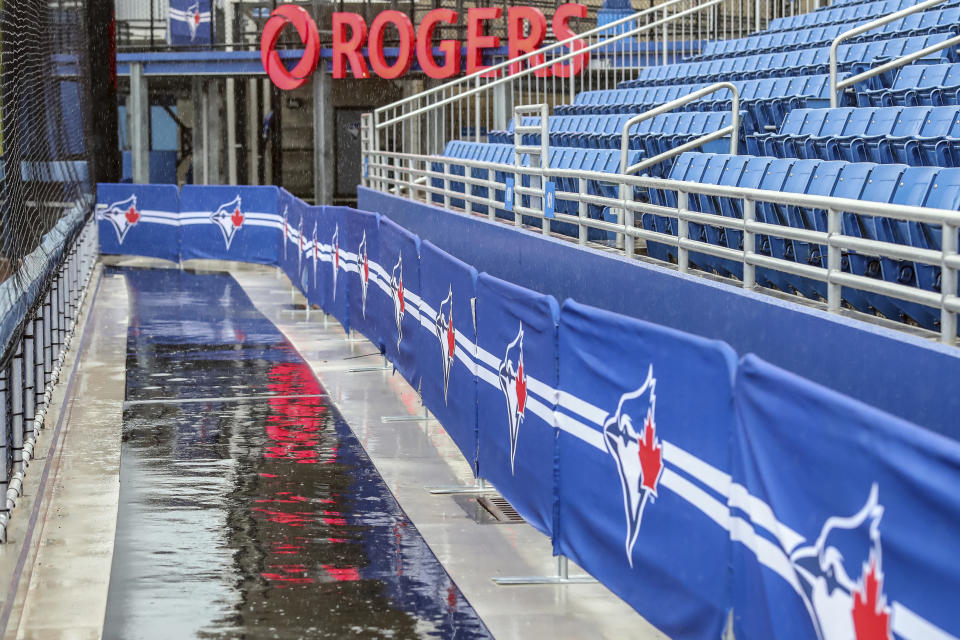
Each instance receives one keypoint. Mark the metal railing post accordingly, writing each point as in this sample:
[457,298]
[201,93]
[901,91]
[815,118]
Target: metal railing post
[545,164]
[948,284]
[683,233]
[749,243]
[834,290]
[446,184]
[582,213]
[733,129]
[879,22]
[16,407]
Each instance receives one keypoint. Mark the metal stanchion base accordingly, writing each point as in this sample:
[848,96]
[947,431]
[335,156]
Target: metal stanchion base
[481,486]
[366,369]
[408,418]
[563,577]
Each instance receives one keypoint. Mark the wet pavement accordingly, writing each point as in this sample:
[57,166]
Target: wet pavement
[247,506]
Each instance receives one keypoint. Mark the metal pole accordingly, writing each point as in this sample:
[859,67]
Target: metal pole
[683,233]
[948,285]
[749,244]
[834,291]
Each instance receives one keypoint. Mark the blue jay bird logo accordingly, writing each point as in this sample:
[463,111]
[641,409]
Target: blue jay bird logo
[229,218]
[316,253]
[300,246]
[335,245]
[841,576]
[447,336]
[363,269]
[513,383]
[122,216]
[193,19]
[286,230]
[630,436]
[396,292]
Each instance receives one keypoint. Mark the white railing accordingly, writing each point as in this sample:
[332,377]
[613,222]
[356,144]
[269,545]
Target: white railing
[426,177]
[468,107]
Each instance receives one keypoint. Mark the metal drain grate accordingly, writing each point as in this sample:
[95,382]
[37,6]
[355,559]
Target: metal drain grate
[500,509]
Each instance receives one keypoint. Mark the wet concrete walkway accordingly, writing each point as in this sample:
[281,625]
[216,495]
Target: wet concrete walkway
[247,506]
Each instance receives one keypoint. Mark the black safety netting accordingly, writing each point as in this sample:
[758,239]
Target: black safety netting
[50,51]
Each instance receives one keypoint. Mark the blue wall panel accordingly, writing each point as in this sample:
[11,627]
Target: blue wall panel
[516,395]
[141,220]
[398,307]
[447,338]
[230,223]
[645,415]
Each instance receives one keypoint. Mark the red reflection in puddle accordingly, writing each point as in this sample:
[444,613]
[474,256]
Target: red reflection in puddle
[342,574]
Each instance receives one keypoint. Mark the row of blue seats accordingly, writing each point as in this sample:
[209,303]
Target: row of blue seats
[801,62]
[916,85]
[917,24]
[915,136]
[597,160]
[845,13]
[765,101]
[898,184]
[627,99]
[651,137]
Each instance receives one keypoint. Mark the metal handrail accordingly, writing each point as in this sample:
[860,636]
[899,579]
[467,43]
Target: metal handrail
[879,22]
[542,111]
[670,106]
[662,22]
[833,238]
[542,51]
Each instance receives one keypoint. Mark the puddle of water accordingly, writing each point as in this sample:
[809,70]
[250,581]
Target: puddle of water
[259,518]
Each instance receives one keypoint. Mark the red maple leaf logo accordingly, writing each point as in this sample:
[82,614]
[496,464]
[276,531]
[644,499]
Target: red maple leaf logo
[132,215]
[651,458]
[196,21]
[237,217]
[871,617]
[400,295]
[521,389]
[366,269]
[336,256]
[451,337]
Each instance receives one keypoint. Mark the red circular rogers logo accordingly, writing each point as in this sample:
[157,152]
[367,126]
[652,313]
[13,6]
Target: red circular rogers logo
[284,78]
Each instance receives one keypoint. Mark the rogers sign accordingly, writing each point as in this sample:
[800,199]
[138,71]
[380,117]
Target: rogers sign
[526,29]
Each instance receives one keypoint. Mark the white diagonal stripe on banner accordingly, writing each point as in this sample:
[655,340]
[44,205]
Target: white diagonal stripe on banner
[582,408]
[488,376]
[576,428]
[541,410]
[487,358]
[165,221]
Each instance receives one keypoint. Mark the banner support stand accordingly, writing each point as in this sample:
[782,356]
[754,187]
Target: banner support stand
[384,367]
[563,577]
[479,486]
[407,418]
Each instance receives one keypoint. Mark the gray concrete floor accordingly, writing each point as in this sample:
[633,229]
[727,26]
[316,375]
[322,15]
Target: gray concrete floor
[63,587]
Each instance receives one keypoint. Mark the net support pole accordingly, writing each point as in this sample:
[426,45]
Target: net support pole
[139,107]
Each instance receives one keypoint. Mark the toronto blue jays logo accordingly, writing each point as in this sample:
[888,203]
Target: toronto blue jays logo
[193,19]
[447,337]
[286,230]
[123,216]
[229,218]
[513,383]
[363,268]
[630,435]
[335,245]
[316,253]
[396,292]
[841,576]
[300,246]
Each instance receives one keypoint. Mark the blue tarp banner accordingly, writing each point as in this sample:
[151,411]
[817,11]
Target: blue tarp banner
[516,395]
[231,223]
[334,277]
[645,416]
[397,309]
[447,338]
[849,516]
[142,220]
[363,266]
[189,22]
